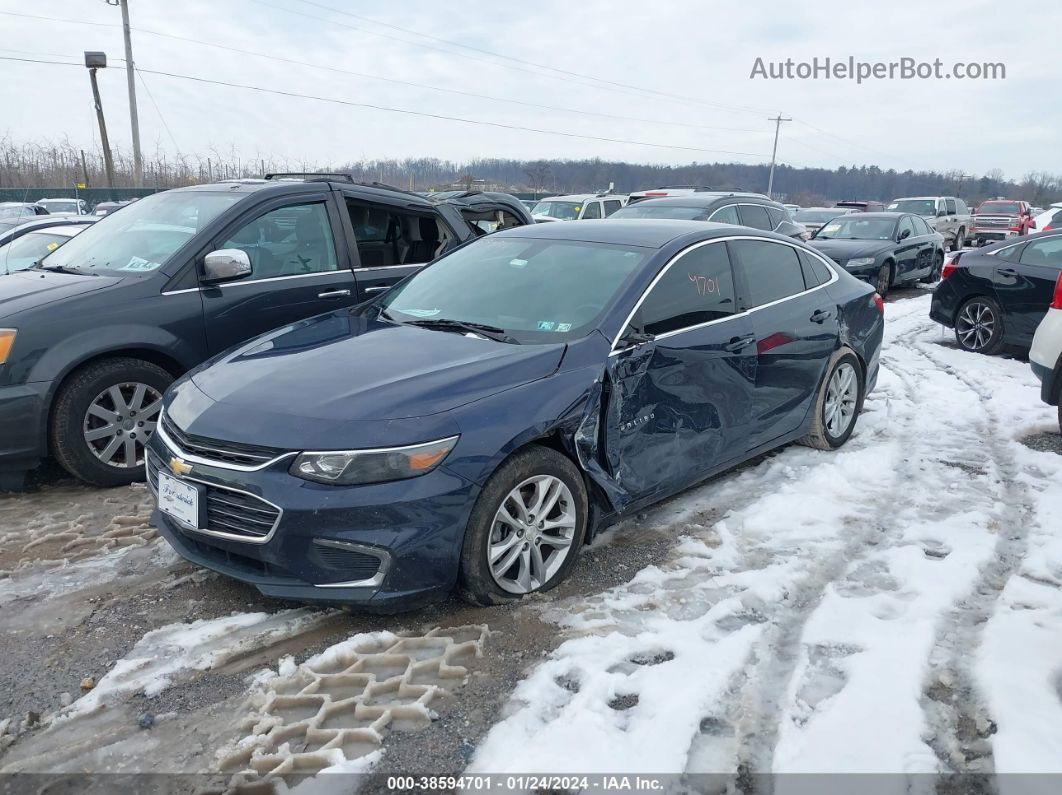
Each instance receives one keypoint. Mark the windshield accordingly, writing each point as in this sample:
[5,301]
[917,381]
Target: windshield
[999,208]
[28,250]
[916,206]
[61,206]
[565,211]
[650,210]
[144,235]
[535,290]
[817,216]
[857,227]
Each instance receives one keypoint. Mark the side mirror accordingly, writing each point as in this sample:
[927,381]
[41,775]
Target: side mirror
[906,233]
[226,264]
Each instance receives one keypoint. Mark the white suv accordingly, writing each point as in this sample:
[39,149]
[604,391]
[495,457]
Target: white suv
[1046,353]
[577,207]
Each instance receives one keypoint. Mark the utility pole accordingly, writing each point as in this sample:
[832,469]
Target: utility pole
[774,152]
[130,76]
[94,61]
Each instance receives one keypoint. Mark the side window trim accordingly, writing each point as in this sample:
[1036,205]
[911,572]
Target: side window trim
[739,287]
[720,209]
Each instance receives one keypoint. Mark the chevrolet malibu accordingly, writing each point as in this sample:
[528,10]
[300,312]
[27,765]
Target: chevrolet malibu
[477,424]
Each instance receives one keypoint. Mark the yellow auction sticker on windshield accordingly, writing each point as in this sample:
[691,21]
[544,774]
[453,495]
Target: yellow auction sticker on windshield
[53,246]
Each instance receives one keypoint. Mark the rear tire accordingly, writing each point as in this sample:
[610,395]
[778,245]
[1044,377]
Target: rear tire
[934,274]
[979,326]
[838,404]
[489,536]
[87,420]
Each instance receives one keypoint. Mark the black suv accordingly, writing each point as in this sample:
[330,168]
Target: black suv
[743,209]
[91,337]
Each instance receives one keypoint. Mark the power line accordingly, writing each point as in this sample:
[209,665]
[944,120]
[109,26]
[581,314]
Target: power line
[405,111]
[557,70]
[162,118]
[408,83]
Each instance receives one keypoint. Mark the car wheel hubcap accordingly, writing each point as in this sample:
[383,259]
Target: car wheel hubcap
[531,535]
[841,394]
[975,326]
[119,423]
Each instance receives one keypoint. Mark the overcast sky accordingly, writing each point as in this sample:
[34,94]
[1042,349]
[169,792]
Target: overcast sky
[697,53]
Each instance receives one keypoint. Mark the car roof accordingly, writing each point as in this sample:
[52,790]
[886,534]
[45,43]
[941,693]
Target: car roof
[645,233]
[66,230]
[580,197]
[307,184]
[892,216]
[55,220]
[704,199]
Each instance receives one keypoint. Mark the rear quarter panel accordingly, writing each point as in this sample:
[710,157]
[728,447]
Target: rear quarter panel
[861,325]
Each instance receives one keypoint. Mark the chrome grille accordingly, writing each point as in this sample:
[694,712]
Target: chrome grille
[229,513]
[247,455]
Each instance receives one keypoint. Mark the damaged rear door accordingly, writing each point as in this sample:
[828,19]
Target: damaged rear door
[681,379]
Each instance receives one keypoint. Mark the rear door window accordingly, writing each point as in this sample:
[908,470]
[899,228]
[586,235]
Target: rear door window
[1043,252]
[726,215]
[611,206]
[593,210]
[772,270]
[755,216]
[815,272]
[697,288]
[951,206]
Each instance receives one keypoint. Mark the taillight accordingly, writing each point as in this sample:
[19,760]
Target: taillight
[1056,301]
[879,302]
[949,266]
[1047,228]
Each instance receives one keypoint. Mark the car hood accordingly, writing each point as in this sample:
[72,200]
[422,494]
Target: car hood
[343,367]
[841,250]
[31,288]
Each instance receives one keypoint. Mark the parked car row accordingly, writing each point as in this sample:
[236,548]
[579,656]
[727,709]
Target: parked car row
[371,430]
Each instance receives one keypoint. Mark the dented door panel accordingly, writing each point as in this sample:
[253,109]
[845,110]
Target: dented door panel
[678,406]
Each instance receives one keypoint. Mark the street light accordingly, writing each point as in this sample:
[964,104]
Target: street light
[93,61]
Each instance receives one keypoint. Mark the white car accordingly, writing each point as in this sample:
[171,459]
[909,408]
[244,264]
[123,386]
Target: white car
[64,206]
[1045,357]
[1049,219]
[26,251]
[577,207]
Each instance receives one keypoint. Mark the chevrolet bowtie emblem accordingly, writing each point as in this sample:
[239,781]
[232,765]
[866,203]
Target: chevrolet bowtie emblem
[179,467]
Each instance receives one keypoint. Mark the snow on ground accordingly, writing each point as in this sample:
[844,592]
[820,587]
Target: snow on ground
[894,606]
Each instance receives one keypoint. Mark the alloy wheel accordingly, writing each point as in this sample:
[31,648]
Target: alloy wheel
[531,535]
[841,395]
[975,325]
[119,422]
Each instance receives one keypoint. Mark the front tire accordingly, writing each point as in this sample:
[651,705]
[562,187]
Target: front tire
[525,530]
[884,280]
[979,326]
[839,402]
[104,415]
[959,241]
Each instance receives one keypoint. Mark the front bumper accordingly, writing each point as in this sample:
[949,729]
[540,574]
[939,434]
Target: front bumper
[383,546]
[993,234]
[23,414]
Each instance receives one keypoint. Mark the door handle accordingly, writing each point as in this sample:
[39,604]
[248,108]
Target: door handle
[333,293]
[821,316]
[375,289]
[737,343]
[1006,271]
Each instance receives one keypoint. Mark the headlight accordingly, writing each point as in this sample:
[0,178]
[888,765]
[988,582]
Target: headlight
[7,340]
[348,467]
[860,261]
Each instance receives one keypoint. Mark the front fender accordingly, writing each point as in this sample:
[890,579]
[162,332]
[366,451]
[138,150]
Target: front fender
[58,360]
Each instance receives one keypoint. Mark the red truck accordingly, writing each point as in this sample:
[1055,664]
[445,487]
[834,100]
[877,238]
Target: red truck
[998,219]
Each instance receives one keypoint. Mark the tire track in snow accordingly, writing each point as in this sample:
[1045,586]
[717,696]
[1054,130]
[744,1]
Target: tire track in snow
[952,699]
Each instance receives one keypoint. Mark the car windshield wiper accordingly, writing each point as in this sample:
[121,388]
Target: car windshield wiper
[65,269]
[446,324]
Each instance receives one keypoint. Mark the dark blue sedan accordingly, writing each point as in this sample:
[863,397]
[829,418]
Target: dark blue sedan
[480,422]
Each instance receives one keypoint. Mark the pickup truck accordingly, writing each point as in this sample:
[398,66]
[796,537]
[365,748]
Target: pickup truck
[998,219]
[93,335]
[948,215]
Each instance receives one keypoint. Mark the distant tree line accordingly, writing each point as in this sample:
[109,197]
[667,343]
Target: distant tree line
[62,164]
